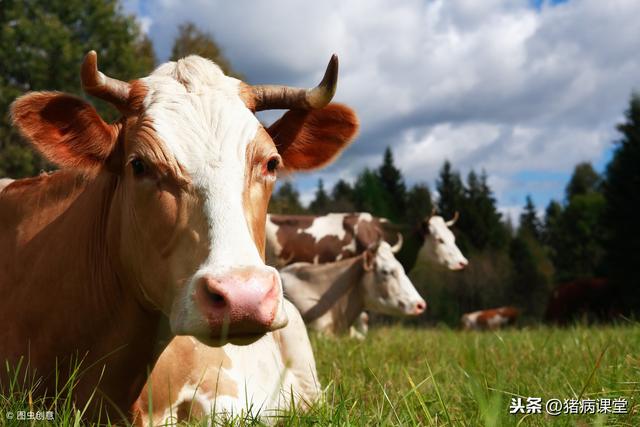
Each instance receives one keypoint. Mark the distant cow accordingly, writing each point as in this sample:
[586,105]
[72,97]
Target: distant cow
[495,318]
[592,297]
[332,296]
[336,236]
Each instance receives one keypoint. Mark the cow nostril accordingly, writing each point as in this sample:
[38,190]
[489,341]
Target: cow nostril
[217,299]
[421,306]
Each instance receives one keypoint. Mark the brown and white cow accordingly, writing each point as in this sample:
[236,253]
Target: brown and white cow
[332,296]
[161,213]
[495,318]
[265,378]
[336,236]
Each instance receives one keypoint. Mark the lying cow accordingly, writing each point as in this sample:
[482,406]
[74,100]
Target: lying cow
[192,380]
[594,298]
[332,296]
[161,213]
[495,318]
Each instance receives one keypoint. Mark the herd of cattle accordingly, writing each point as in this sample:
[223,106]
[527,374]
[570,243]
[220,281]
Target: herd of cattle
[148,246]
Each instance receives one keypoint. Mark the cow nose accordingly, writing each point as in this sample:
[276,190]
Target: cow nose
[463,264]
[241,303]
[420,307]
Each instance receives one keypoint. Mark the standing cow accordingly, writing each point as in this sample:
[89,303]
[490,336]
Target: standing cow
[160,213]
[332,296]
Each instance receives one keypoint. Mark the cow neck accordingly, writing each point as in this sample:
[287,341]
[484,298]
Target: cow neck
[71,300]
[336,288]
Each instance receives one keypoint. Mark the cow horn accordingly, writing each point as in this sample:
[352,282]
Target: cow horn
[453,220]
[97,84]
[396,248]
[269,97]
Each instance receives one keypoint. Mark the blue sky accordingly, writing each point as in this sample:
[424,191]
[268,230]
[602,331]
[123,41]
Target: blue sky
[524,89]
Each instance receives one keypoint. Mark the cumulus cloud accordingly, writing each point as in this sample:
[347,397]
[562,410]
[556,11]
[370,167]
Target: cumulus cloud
[501,85]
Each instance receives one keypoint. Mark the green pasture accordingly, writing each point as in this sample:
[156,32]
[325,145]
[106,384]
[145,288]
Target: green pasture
[410,376]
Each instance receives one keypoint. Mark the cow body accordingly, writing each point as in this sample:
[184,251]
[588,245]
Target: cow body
[593,298]
[159,215]
[262,379]
[336,236]
[332,296]
[495,318]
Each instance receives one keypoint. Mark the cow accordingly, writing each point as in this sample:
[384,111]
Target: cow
[157,216]
[332,296]
[494,318]
[336,236]
[192,380]
[594,298]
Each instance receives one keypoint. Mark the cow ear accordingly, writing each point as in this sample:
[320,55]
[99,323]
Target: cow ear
[368,260]
[309,139]
[66,130]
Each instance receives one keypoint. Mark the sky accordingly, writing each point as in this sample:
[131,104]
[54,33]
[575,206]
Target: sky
[524,89]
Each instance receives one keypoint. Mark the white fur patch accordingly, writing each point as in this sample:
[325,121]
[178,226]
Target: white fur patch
[327,225]
[199,116]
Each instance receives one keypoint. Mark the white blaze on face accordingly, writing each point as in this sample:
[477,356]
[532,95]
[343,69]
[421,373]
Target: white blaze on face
[198,115]
[388,290]
[440,246]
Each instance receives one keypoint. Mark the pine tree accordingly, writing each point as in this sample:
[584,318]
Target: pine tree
[622,194]
[321,204]
[419,204]
[342,197]
[450,189]
[286,200]
[393,184]
[370,196]
[529,221]
[584,180]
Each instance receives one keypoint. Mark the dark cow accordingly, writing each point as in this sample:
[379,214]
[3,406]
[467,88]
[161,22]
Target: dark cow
[590,297]
[494,318]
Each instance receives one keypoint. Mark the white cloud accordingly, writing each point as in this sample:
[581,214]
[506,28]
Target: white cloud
[486,84]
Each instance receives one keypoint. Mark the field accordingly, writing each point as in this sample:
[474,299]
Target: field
[408,376]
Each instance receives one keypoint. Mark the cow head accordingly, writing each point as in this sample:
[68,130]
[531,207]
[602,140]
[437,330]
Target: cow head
[387,289]
[190,172]
[440,243]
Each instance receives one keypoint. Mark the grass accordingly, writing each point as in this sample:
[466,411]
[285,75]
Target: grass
[410,376]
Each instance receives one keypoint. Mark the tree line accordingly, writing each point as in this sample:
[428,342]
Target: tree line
[593,231]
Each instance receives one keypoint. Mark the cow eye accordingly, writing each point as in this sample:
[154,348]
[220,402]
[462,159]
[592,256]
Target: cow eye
[440,240]
[272,164]
[138,167]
